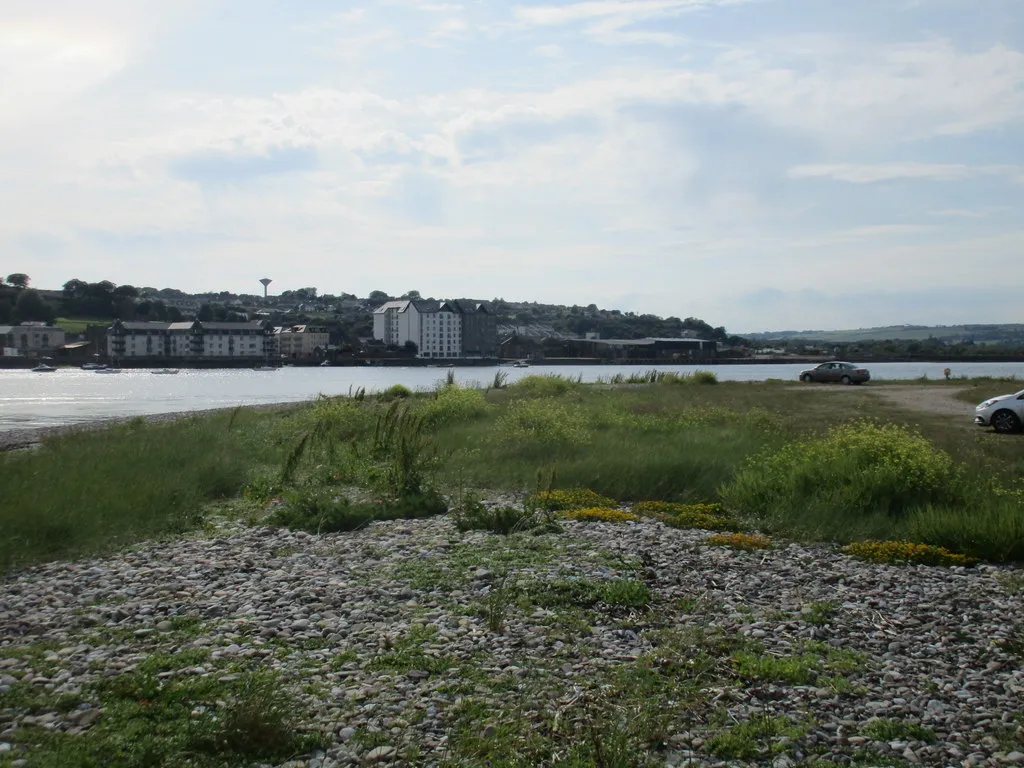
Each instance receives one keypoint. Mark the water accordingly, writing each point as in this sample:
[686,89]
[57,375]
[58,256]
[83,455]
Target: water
[71,396]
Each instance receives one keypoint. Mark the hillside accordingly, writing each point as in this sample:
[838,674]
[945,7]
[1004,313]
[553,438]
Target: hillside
[1011,333]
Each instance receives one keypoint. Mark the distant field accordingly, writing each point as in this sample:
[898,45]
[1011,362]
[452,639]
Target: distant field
[977,333]
[78,324]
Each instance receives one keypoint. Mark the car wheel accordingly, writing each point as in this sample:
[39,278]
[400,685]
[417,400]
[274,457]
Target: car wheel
[846,380]
[806,378]
[1005,422]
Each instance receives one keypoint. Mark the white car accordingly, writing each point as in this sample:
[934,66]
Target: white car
[1004,413]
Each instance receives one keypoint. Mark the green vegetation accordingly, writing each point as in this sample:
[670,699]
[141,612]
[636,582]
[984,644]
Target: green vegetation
[735,456]
[88,492]
[892,730]
[163,715]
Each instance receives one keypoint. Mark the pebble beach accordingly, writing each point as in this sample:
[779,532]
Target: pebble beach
[929,646]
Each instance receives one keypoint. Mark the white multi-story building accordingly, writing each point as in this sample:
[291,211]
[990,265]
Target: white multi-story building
[434,327]
[193,339]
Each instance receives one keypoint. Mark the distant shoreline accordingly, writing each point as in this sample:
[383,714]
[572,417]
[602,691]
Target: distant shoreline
[10,363]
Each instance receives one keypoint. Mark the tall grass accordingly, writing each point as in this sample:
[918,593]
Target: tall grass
[788,459]
[89,492]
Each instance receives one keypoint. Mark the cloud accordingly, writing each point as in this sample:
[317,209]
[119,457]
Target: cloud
[227,168]
[549,15]
[874,173]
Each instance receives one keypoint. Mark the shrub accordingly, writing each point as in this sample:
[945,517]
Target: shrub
[905,552]
[543,421]
[856,468]
[542,386]
[323,510]
[704,377]
[473,515]
[395,392]
[453,404]
[570,498]
[744,541]
[599,515]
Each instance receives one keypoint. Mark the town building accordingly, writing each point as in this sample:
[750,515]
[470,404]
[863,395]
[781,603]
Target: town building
[297,342]
[438,329]
[30,339]
[190,340]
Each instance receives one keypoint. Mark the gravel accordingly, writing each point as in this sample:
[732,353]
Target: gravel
[935,643]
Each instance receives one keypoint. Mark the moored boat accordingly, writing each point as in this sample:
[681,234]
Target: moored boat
[44,368]
[165,371]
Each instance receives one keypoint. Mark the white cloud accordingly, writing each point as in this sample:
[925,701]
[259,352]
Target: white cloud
[547,15]
[873,173]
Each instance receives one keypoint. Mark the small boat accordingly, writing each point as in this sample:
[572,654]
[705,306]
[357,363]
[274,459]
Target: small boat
[165,372]
[107,370]
[44,368]
[92,366]
[520,364]
[265,368]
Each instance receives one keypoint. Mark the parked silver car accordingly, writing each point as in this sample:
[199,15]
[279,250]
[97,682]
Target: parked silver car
[846,373]
[1004,413]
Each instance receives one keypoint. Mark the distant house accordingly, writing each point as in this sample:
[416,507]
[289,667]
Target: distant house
[301,341]
[439,329]
[31,339]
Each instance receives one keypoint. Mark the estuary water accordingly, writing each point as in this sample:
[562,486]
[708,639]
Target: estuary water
[70,396]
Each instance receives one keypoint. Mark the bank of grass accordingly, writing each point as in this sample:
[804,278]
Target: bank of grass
[89,492]
[646,442]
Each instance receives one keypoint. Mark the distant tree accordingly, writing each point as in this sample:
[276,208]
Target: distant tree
[18,280]
[174,315]
[378,296]
[30,306]
[6,310]
[205,314]
[410,347]
[412,295]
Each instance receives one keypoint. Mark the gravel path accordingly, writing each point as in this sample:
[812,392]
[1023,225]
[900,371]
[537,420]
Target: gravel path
[925,398]
[908,665]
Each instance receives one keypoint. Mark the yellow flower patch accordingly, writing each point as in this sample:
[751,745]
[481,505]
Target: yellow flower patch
[599,514]
[572,498]
[711,517]
[745,541]
[905,552]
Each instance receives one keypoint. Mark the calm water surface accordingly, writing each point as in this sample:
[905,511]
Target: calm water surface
[70,395]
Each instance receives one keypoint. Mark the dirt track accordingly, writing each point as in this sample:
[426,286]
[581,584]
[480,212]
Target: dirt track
[926,399]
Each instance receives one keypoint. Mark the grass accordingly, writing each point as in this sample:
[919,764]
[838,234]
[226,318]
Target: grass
[778,455]
[160,715]
[79,324]
[90,492]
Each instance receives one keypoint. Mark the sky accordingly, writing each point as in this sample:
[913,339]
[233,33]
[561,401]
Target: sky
[760,164]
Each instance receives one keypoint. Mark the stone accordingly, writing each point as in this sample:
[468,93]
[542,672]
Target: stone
[380,754]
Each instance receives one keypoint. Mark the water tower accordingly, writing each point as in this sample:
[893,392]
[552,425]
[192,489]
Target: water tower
[266,281]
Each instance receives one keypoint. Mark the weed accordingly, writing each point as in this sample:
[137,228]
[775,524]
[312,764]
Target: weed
[542,422]
[754,738]
[571,498]
[905,552]
[821,612]
[407,653]
[884,729]
[802,669]
[470,514]
[742,541]
[596,515]
[394,392]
